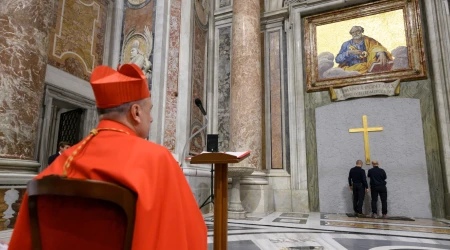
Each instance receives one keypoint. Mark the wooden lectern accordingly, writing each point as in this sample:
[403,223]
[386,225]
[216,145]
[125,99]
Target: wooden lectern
[220,160]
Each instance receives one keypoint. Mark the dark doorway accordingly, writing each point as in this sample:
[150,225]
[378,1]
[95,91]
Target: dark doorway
[70,126]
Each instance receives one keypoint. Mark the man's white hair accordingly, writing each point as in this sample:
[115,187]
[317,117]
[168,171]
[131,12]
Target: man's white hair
[356,27]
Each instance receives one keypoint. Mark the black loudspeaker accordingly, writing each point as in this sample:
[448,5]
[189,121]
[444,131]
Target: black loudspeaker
[212,143]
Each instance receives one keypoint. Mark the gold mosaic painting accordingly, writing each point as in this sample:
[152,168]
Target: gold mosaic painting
[374,42]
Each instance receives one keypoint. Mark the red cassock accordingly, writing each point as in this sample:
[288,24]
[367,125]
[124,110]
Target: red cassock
[167,215]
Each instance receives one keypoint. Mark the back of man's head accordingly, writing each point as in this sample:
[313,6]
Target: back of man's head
[62,144]
[123,96]
[375,164]
[359,163]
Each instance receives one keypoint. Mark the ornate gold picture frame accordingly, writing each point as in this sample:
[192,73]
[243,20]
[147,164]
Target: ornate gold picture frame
[373,42]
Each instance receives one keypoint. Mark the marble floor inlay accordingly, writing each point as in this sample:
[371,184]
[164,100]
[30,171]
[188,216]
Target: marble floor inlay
[295,215]
[290,220]
[386,227]
[415,221]
[366,244]
[289,231]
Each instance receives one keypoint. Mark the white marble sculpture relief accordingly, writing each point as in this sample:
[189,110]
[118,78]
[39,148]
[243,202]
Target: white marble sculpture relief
[137,55]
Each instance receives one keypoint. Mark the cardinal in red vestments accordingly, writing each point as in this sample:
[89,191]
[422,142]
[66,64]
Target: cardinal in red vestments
[167,215]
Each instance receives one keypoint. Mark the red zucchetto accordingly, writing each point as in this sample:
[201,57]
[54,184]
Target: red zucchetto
[114,88]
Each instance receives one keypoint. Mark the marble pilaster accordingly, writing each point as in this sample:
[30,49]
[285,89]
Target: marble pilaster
[24,26]
[437,14]
[184,102]
[161,50]
[117,19]
[224,78]
[275,101]
[246,88]
[198,88]
[170,118]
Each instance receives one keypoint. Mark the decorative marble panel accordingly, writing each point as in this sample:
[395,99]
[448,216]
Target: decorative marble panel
[77,42]
[172,76]
[275,100]
[289,2]
[224,75]
[198,87]
[224,3]
[265,134]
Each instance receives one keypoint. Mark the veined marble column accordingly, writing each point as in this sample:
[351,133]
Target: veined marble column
[246,88]
[24,28]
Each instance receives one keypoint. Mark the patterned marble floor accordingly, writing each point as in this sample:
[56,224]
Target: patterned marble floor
[289,231]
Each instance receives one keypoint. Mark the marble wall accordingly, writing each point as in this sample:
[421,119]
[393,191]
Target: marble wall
[422,90]
[417,89]
[399,148]
[138,16]
[24,40]
[431,93]
[171,91]
[77,40]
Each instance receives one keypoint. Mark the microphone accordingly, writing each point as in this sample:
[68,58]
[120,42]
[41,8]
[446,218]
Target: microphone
[198,102]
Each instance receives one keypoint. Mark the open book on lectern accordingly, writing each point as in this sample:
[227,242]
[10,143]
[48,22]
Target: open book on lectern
[237,155]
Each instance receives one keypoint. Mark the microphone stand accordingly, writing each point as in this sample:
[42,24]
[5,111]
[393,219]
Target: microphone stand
[211,196]
[198,102]
[190,138]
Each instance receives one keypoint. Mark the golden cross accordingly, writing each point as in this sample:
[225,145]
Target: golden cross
[365,129]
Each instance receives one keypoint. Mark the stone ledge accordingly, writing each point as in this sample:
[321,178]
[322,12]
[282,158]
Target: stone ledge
[5,235]
[14,180]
